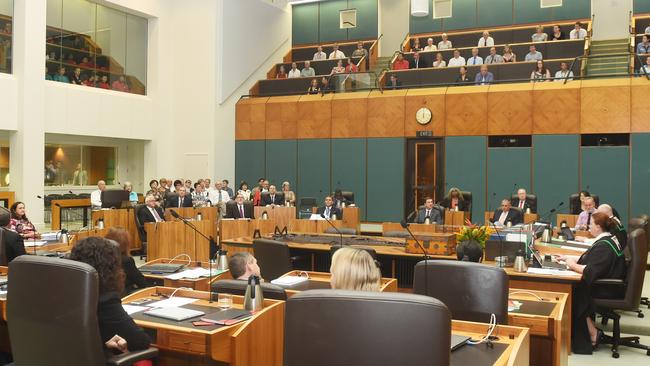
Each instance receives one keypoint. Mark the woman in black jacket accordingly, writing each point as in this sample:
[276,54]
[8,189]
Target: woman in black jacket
[134,280]
[118,331]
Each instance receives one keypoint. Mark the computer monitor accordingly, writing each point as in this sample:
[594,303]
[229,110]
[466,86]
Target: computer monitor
[114,198]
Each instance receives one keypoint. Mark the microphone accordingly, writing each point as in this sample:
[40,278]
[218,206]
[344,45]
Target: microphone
[210,239]
[335,228]
[405,225]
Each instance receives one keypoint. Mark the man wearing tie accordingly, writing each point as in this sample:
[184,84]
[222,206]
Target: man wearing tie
[428,212]
[475,59]
[272,198]
[522,202]
[584,219]
[183,200]
[329,210]
[418,63]
[151,212]
[506,214]
[239,210]
[219,197]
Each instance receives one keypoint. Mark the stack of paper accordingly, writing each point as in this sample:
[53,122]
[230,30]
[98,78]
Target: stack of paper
[35,243]
[173,302]
[132,309]
[289,280]
[194,273]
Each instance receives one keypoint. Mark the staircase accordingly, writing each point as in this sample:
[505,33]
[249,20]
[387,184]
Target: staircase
[619,64]
[382,63]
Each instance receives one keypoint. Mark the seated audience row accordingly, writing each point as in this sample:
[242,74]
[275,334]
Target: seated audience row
[336,53]
[308,71]
[96,81]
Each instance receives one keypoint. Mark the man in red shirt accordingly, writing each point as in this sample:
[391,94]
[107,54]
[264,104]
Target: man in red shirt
[351,67]
[104,83]
[400,63]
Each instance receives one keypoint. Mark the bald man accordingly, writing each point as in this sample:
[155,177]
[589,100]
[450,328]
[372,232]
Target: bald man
[96,196]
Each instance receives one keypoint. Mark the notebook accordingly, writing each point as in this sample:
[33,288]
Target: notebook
[458,341]
[177,314]
[227,317]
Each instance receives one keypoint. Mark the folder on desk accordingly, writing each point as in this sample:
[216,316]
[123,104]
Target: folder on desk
[177,314]
[227,317]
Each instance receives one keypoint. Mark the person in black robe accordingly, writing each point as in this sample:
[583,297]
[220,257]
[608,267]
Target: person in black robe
[604,259]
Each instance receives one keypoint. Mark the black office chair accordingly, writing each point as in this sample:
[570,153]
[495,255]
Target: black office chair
[477,290]
[52,306]
[575,205]
[238,287]
[347,195]
[3,248]
[140,229]
[343,230]
[633,285]
[467,196]
[335,327]
[305,205]
[531,198]
[643,223]
[273,257]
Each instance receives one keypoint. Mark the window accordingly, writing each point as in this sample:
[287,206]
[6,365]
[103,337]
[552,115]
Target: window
[97,46]
[79,165]
[549,3]
[442,9]
[6,33]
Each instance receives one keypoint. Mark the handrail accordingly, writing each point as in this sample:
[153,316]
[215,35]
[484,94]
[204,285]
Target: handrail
[404,40]
[632,23]
[375,43]
[628,54]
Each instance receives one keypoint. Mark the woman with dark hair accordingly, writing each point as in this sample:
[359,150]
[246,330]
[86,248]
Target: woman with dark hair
[134,279]
[540,73]
[20,223]
[118,331]
[454,200]
[244,191]
[604,259]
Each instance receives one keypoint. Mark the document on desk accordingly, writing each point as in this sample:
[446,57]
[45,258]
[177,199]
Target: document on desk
[552,272]
[289,280]
[132,309]
[194,273]
[173,302]
[35,243]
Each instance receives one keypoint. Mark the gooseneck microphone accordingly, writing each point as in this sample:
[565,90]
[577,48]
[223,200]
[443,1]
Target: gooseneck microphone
[405,225]
[335,228]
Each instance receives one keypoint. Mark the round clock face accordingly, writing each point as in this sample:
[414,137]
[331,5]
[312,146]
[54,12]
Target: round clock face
[423,116]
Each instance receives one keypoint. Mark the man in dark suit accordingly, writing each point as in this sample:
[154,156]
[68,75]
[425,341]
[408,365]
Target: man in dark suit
[418,62]
[507,214]
[521,202]
[182,200]
[14,244]
[329,210]
[239,210]
[272,198]
[428,212]
[151,212]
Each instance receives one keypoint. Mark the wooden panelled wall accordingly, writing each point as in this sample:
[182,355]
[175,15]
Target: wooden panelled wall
[579,107]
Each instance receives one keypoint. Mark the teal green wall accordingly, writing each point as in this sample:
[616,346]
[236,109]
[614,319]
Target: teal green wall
[641,6]
[556,171]
[249,161]
[606,172]
[385,184]
[490,13]
[349,169]
[640,163]
[506,167]
[281,161]
[313,169]
[318,22]
[465,168]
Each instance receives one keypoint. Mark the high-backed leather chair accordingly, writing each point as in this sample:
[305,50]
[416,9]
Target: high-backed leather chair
[347,195]
[467,196]
[633,285]
[3,249]
[531,198]
[476,290]
[140,229]
[643,223]
[343,230]
[335,327]
[52,306]
[238,287]
[273,257]
[574,203]
[305,205]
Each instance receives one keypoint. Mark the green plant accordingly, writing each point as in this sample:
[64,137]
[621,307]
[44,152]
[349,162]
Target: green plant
[473,232]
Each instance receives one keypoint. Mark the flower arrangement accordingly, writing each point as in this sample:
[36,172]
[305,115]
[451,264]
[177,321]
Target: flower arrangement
[480,234]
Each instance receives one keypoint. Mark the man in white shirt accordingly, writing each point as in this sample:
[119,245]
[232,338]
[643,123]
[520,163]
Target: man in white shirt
[445,44]
[645,70]
[336,53]
[493,57]
[564,73]
[320,55]
[475,59]
[533,55]
[96,196]
[486,40]
[219,196]
[294,72]
[430,46]
[578,32]
[457,60]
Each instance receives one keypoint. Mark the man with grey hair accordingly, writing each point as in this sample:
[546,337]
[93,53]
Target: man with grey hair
[96,196]
[182,200]
[243,265]
[150,212]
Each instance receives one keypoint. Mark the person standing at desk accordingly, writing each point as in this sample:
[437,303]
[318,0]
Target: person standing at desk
[354,269]
[329,210]
[428,212]
[604,259]
[242,265]
[454,200]
[96,196]
[118,331]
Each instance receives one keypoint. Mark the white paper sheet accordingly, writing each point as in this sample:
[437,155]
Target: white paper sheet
[552,272]
[37,243]
[132,309]
[173,302]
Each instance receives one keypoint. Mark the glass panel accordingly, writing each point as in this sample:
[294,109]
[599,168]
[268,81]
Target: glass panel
[6,32]
[79,165]
[111,37]
[353,81]
[136,53]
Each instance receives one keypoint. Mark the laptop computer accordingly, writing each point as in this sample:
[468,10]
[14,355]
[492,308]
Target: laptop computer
[176,314]
[458,341]
[546,262]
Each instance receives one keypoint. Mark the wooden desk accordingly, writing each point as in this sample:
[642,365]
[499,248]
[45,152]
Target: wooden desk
[420,228]
[456,218]
[548,321]
[516,340]
[8,198]
[322,280]
[570,220]
[171,238]
[123,218]
[78,235]
[200,284]
[207,213]
[528,217]
[255,342]
[351,217]
[71,203]
[281,215]
[49,248]
[313,226]
[245,227]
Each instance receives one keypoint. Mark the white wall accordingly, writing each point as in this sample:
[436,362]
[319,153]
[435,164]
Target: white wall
[8,102]
[393,24]
[611,18]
